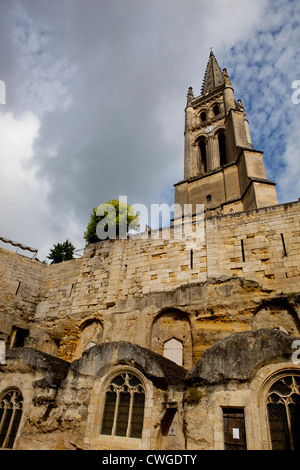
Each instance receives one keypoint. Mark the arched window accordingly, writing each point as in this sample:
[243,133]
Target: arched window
[124,407]
[222,149]
[202,151]
[208,198]
[173,350]
[216,109]
[11,405]
[203,116]
[283,403]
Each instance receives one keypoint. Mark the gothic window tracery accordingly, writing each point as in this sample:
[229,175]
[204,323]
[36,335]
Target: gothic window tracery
[283,405]
[11,406]
[124,407]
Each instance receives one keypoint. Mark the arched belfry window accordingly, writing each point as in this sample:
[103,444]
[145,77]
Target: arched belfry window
[124,407]
[216,110]
[203,156]
[222,148]
[203,116]
[11,405]
[283,404]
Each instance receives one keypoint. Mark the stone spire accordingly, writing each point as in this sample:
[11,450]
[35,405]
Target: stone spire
[213,76]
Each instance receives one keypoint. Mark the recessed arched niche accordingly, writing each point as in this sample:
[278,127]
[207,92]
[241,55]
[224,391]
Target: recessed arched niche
[277,316]
[171,337]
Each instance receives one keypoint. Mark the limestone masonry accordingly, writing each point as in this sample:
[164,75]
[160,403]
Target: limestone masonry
[161,342]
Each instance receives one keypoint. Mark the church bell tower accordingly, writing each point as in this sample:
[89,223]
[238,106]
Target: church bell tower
[222,171]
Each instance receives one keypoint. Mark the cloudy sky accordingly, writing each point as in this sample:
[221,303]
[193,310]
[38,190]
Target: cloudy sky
[95,98]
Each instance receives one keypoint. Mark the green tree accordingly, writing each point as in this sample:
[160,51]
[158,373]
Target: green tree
[113,219]
[61,252]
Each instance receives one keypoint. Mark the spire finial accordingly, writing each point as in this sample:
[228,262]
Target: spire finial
[213,76]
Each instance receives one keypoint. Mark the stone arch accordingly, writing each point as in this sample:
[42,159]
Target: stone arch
[220,135]
[201,143]
[11,408]
[203,115]
[277,315]
[216,109]
[280,388]
[91,333]
[97,405]
[123,411]
[172,324]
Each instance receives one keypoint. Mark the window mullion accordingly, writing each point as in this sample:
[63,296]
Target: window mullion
[127,388]
[289,424]
[11,422]
[3,419]
[116,413]
[130,414]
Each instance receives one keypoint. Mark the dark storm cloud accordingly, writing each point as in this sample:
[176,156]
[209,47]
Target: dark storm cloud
[130,57]
[109,141]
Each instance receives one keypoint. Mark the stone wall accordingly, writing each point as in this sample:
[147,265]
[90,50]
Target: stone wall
[21,283]
[21,289]
[236,373]
[119,287]
[263,245]
[63,403]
